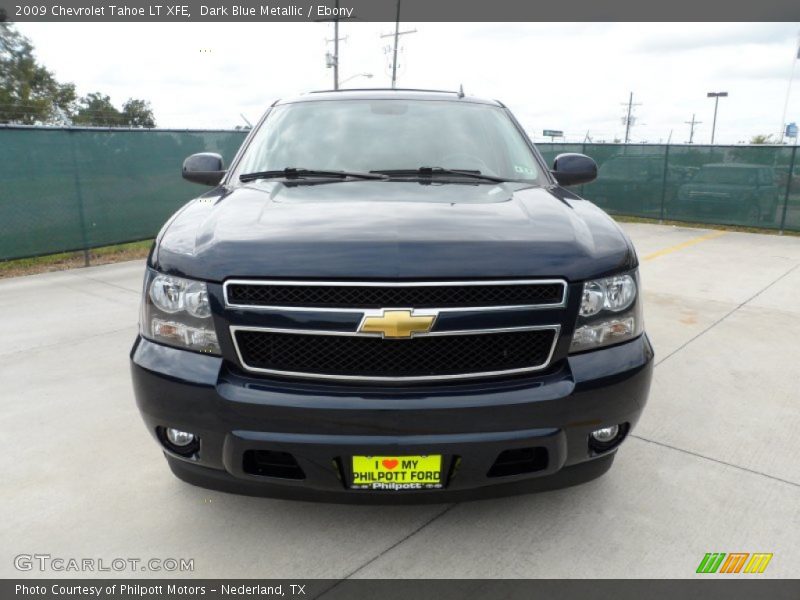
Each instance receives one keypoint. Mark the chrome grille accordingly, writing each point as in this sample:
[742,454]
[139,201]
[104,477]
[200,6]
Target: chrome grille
[425,357]
[303,345]
[349,295]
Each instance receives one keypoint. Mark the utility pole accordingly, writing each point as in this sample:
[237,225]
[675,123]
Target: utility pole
[629,119]
[691,125]
[333,59]
[336,49]
[396,39]
[397,33]
[716,96]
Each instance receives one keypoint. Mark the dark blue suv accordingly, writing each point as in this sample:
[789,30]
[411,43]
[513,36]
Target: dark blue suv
[388,296]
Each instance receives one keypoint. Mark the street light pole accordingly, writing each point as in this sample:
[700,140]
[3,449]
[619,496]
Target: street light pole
[789,90]
[367,75]
[714,123]
[716,96]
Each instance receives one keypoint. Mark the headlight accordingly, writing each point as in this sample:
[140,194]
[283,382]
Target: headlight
[167,293]
[610,312]
[176,311]
[612,293]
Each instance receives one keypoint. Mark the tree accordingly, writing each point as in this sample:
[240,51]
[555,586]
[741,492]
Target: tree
[137,113]
[762,139]
[97,109]
[29,93]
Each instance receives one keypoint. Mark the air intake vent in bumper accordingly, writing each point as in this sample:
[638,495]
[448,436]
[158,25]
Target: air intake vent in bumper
[519,461]
[270,463]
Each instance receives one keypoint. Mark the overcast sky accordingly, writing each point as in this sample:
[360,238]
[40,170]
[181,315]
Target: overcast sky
[573,77]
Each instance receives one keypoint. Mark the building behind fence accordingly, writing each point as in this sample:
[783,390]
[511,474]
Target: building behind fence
[74,189]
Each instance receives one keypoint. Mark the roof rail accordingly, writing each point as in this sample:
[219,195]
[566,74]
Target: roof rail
[385,90]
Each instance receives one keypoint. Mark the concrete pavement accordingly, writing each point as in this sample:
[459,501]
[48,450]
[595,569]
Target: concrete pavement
[712,466]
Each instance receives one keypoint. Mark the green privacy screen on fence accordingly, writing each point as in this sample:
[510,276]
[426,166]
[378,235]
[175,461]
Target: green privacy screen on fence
[755,186]
[70,189]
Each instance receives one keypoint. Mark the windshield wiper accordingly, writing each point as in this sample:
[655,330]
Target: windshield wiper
[298,173]
[431,171]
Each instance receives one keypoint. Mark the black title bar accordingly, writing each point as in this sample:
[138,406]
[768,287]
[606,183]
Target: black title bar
[411,10]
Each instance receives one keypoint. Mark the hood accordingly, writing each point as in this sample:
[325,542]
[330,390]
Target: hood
[386,230]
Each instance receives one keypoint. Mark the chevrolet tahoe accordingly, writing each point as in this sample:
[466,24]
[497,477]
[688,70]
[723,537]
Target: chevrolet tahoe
[388,296]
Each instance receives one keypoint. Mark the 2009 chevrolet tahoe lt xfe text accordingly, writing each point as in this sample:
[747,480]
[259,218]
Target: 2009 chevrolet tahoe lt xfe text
[388,296]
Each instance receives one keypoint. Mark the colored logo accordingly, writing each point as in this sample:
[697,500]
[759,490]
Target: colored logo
[397,324]
[735,562]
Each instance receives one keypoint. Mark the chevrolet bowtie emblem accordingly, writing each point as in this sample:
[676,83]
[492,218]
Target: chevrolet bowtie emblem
[396,324]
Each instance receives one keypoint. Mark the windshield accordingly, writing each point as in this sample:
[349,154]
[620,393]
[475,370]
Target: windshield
[371,135]
[726,176]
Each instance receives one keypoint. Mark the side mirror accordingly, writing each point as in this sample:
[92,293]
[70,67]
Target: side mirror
[205,168]
[573,169]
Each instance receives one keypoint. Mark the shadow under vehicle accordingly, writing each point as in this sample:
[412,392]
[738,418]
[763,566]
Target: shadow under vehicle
[729,192]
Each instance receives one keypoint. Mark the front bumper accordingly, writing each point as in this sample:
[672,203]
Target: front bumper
[323,425]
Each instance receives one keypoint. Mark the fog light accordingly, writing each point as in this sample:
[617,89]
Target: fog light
[607,438]
[606,434]
[179,438]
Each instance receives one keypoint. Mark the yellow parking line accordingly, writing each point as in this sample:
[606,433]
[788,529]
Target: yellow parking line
[686,244]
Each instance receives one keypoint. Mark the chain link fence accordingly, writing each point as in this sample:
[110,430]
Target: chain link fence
[753,186]
[74,189]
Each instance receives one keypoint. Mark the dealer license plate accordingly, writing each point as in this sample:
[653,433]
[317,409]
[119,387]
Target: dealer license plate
[397,472]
